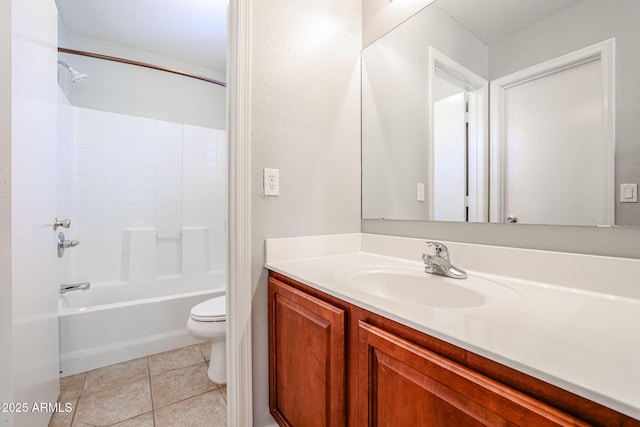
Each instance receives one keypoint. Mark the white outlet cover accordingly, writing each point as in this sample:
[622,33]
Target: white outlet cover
[271,182]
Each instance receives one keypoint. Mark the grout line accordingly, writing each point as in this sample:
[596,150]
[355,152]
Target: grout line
[193,397]
[153,407]
[75,408]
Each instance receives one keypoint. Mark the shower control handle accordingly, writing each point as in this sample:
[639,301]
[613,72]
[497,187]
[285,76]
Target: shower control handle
[65,244]
[69,244]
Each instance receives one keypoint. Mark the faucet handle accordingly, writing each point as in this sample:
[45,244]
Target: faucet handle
[441,250]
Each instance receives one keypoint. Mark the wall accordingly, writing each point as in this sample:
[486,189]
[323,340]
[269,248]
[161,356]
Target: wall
[306,122]
[395,76]
[141,91]
[612,241]
[146,197]
[590,22]
[380,16]
[6,313]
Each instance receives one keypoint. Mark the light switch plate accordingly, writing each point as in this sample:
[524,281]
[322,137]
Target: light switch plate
[628,193]
[420,192]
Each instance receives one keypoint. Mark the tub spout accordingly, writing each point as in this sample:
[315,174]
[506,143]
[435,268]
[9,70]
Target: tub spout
[74,287]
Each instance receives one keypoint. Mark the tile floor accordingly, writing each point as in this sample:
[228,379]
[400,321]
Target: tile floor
[164,389]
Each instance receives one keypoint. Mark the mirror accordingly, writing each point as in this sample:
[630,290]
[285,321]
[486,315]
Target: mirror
[508,112]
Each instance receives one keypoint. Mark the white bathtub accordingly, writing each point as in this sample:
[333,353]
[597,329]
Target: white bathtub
[109,324]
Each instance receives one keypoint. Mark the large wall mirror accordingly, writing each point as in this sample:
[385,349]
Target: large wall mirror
[503,111]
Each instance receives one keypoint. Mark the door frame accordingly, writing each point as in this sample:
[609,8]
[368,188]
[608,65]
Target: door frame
[603,52]
[238,286]
[478,89]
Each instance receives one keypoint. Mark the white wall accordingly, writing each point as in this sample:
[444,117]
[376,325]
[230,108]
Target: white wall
[6,363]
[395,111]
[305,122]
[141,91]
[146,197]
[380,16]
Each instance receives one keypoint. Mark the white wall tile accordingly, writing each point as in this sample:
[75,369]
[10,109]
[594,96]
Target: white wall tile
[130,172]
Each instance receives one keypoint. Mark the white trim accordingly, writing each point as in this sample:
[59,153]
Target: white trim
[239,360]
[477,86]
[603,52]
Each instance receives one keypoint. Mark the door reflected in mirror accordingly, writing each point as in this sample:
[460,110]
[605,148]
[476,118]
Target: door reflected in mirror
[552,145]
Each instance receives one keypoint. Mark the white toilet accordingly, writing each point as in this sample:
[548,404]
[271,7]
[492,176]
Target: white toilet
[208,322]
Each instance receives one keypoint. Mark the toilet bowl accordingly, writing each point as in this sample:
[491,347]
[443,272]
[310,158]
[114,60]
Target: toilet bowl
[207,322]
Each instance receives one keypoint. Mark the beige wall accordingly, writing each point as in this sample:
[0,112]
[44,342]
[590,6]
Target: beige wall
[306,123]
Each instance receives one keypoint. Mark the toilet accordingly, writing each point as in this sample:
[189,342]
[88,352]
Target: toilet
[207,322]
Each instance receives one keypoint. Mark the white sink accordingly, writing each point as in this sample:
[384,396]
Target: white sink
[410,284]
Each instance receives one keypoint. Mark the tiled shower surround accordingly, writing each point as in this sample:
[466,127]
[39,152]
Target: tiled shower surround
[146,197]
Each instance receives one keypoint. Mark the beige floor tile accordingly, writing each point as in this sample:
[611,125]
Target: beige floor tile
[70,387]
[175,359]
[62,419]
[205,410]
[145,420]
[115,375]
[180,384]
[69,391]
[223,390]
[205,348]
[114,405]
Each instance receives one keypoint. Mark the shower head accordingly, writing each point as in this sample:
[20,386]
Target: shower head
[76,76]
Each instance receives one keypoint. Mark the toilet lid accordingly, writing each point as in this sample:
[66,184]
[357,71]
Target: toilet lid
[211,310]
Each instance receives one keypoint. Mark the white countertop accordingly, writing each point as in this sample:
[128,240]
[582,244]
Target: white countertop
[577,338]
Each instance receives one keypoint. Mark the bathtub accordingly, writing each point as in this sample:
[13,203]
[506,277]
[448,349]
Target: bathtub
[112,323]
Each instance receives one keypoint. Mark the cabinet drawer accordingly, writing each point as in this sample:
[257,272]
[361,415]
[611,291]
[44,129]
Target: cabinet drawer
[404,384]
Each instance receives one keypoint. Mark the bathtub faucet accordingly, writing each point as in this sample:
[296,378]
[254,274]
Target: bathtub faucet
[74,287]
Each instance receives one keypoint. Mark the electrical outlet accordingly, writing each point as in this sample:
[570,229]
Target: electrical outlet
[271,182]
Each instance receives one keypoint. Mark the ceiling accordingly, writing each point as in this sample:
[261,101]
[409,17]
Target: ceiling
[491,20]
[194,31]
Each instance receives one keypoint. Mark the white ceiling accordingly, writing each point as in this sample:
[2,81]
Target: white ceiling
[194,31]
[491,20]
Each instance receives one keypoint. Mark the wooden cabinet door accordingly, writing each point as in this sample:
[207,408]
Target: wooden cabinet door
[306,359]
[403,384]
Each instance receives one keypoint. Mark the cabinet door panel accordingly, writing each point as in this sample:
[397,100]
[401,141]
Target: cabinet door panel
[401,383]
[307,359]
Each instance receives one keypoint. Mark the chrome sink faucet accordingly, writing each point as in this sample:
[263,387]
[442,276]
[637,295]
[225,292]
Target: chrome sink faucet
[74,287]
[440,263]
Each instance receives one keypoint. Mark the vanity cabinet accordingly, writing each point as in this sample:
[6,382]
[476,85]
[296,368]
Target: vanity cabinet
[306,359]
[333,363]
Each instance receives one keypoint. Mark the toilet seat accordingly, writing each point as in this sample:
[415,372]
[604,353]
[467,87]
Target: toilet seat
[211,310]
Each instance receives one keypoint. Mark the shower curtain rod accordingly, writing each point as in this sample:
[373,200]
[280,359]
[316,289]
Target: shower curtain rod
[139,64]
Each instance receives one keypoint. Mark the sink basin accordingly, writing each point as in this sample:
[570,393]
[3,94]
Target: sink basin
[409,284]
